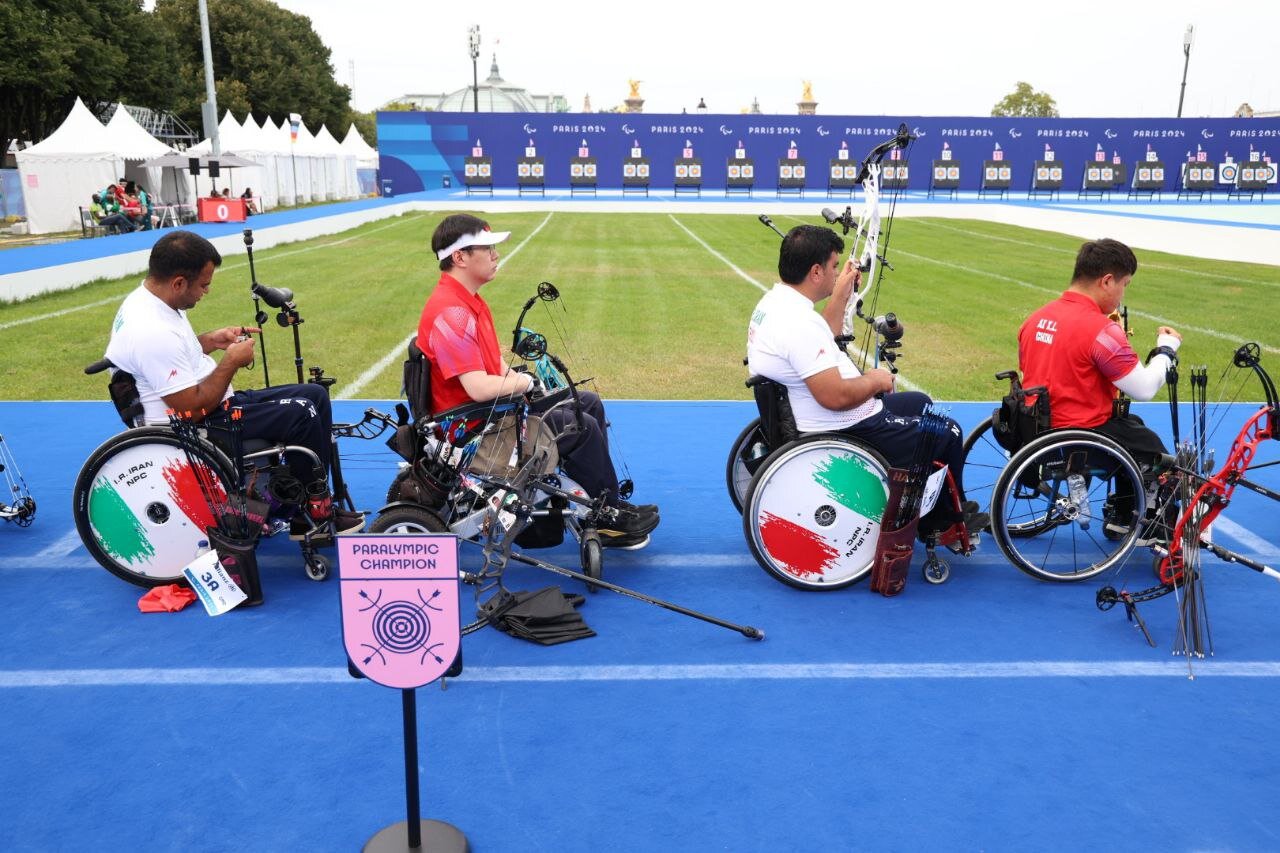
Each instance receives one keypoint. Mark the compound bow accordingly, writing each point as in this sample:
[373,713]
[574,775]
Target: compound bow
[1204,496]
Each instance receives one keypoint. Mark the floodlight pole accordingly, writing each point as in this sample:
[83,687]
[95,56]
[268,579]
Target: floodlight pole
[473,43]
[209,91]
[1187,38]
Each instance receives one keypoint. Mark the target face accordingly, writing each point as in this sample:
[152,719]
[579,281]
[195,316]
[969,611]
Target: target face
[471,170]
[576,170]
[643,170]
[735,171]
[784,172]
[401,623]
[486,169]
[682,171]
[953,173]
[523,170]
[990,173]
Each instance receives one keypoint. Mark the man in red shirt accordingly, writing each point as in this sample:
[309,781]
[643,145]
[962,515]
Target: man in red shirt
[1073,347]
[457,335]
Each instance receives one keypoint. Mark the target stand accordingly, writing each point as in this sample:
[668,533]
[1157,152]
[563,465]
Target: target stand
[401,628]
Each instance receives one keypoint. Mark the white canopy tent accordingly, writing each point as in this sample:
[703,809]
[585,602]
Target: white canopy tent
[134,145]
[366,161]
[62,171]
[340,166]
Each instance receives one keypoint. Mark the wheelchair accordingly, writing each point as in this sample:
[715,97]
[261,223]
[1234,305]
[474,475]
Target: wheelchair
[812,504]
[441,489]
[139,507]
[1065,504]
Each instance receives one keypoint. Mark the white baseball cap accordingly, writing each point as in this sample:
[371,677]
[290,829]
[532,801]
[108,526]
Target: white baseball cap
[466,241]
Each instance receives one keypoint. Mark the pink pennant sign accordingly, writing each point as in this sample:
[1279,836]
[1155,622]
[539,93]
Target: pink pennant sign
[401,623]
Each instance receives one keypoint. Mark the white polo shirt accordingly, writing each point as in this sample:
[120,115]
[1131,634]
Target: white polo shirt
[158,346]
[787,341]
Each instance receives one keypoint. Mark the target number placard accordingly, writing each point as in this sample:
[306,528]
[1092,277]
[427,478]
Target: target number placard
[401,623]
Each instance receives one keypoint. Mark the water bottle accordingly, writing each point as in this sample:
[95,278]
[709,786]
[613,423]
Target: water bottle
[1079,492]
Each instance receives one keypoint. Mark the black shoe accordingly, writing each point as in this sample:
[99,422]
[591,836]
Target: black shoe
[977,521]
[627,522]
[623,541]
[640,508]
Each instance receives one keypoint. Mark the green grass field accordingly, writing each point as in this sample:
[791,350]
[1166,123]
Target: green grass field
[648,309]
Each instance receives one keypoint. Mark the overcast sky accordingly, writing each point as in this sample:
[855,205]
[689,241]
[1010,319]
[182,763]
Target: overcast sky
[1117,58]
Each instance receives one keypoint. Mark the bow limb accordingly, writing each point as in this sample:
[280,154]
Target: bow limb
[865,251]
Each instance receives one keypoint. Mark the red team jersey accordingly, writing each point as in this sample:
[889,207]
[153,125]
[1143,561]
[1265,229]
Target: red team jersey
[456,334]
[1077,352]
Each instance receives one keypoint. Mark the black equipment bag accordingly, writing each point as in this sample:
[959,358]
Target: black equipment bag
[1016,422]
[123,389]
[777,423]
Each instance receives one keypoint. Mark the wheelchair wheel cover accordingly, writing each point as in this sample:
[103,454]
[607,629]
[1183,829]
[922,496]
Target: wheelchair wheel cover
[813,510]
[138,507]
[736,475]
[1040,531]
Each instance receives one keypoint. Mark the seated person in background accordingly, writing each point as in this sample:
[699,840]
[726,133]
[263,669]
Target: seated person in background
[788,342]
[457,335]
[152,339]
[1075,349]
[226,192]
[108,215]
[250,205]
[132,206]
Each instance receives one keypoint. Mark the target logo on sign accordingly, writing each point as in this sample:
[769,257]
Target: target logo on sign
[400,610]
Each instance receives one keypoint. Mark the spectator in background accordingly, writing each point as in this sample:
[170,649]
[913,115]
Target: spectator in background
[131,206]
[250,204]
[105,211]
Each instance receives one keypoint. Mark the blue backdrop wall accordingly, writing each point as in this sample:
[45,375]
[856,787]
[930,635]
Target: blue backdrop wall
[418,149]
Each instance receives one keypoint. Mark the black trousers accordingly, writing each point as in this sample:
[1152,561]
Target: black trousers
[1134,436]
[895,432]
[583,447]
[289,414]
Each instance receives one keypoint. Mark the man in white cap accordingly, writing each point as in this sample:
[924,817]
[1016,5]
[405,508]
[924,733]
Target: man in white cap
[457,335]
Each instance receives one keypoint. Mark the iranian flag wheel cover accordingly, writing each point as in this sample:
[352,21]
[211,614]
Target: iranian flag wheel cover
[139,508]
[813,512]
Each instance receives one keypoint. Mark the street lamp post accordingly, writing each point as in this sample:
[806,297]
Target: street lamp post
[1187,38]
[473,42]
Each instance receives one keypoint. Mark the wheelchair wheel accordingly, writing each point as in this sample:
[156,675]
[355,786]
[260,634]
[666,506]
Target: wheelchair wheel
[592,558]
[812,512]
[139,509]
[744,458]
[408,519]
[984,459]
[1067,506]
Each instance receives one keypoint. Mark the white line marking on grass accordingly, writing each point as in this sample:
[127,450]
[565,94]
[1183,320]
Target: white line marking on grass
[933,223]
[232,266]
[359,383]
[242,676]
[900,379]
[1155,318]
[63,312]
[730,264]
[1250,540]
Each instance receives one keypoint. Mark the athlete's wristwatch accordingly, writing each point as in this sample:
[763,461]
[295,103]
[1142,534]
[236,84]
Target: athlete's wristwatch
[1164,349]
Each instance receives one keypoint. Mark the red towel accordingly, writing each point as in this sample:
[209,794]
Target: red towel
[166,599]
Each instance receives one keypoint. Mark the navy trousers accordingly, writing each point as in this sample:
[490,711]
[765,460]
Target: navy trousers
[289,414]
[584,448]
[895,432]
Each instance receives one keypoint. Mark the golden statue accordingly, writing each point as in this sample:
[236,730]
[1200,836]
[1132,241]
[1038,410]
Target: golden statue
[635,88]
[808,90]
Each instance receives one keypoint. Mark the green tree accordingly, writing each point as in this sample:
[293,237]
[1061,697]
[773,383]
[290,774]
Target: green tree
[1025,102]
[58,50]
[266,60]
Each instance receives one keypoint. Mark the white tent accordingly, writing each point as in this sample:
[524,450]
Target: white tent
[340,166]
[132,144]
[62,171]
[366,161]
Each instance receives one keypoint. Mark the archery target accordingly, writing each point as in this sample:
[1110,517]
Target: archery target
[523,170]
